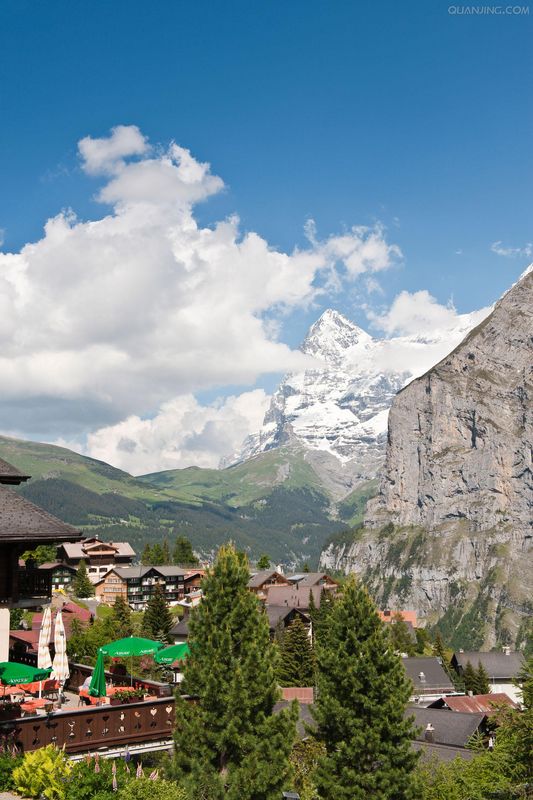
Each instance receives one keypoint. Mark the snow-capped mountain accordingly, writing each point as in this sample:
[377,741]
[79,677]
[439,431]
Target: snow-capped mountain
[337,409]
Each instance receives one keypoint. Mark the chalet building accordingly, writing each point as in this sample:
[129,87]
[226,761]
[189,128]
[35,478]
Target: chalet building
[444,735]
[307,580]
[260,581]
[283,616]
[61,575]
[99,557]
[24,644]
[23,526]
[409,617]
[429,679]
[502,668]
[137,584]
[292,596]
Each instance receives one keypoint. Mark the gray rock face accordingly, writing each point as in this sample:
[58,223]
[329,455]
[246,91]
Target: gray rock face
[460,438]
[450,532]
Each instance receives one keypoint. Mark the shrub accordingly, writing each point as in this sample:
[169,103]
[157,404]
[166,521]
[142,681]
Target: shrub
[8,763]
[146,789]
[93,778]
[43,772]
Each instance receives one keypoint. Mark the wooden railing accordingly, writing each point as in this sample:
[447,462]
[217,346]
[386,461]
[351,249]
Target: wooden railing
[94,728]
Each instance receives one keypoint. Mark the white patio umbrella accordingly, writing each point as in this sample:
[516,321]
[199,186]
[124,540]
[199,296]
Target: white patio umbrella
[43,653]
[60,670]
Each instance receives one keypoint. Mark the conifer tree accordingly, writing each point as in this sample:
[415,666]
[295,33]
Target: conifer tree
[400,635]
[439,651]
[158,555]
[296,661]
[264,562]
[121,618]
[157,620]
[146,558]
[230,740]
[183,552]
[81,585]
[481,683]
[165,550]
[362,695]
[469,678]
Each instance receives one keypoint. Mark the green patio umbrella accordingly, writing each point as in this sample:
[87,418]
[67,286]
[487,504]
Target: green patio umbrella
[12,673]
[176,652]
[131,646]
[97,686]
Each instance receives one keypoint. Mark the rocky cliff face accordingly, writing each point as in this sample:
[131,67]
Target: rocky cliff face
[451,530]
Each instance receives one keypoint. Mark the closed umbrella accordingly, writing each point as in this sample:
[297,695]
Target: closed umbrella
[176,652]
[60,668]
[43,654]
[97,686]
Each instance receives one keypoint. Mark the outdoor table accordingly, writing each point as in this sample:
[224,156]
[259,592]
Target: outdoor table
[33,705]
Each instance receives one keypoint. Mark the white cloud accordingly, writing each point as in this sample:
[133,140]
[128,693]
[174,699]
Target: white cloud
[182,434]
[108,319]
[415,313]
[421,332]
[512,252]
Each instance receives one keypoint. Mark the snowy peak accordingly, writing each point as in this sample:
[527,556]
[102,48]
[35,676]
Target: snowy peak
[332,336]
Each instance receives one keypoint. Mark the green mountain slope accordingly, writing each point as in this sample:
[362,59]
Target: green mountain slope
[273,503]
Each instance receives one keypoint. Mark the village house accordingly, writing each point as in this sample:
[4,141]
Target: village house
[61,575]
[429,679]
[281,616]
[293,596]
[137,584]
[307,580]
[99,557]
[260,582]
[502,668]
[24,644]
[23,526]
[445,735]
[475,704]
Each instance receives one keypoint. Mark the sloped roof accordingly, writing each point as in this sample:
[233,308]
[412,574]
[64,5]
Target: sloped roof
[21,520]
[10,474]
[450,727]
[293,596]
[497,664]
[180,628]
[442,752]
[82,548]
[479,703]
[408,616]
[258,578]
[426,673]
[309,579]
[275,613]
[55,565]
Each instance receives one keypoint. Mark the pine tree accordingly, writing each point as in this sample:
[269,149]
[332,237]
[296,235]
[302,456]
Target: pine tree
[158,555]
[183,552]
[264,562]
[81,585]
[146,558]
[481,683]
[157,620]
[230,740]
[297,661]
[121,618]
[362,695]
[166,553]
[400,635]
[469,678]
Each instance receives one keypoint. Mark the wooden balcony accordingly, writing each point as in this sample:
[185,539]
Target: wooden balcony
[26,588]
[93,729]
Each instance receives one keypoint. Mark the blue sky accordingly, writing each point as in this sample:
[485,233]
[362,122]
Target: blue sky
[348,113]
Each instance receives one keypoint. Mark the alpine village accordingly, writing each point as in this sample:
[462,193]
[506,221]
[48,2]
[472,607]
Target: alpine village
[275,629]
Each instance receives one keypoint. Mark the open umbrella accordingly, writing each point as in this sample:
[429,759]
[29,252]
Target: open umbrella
[12,673]
[97,686]
[60,668]
[43,654]
[175,652]
[129,647]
